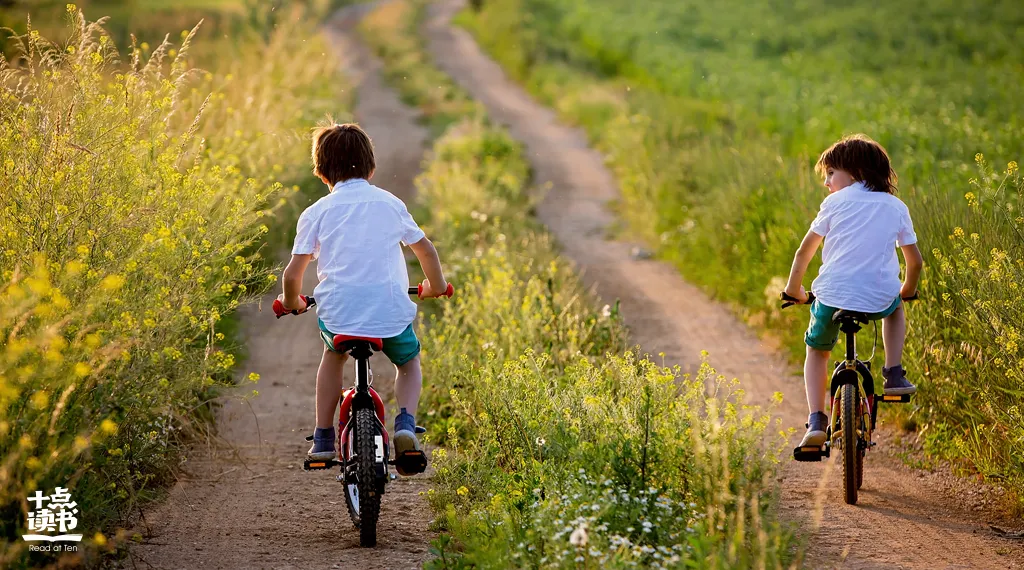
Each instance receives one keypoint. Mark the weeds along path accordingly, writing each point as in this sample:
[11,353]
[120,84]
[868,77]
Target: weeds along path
[245,502]
[905,518]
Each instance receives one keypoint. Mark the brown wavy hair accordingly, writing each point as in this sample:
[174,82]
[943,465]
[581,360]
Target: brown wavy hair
[865,160]
[342,152]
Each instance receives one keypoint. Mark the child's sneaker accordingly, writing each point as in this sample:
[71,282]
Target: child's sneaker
[409,458]
[816,425]
[405,433]
[896,383]
[323,445]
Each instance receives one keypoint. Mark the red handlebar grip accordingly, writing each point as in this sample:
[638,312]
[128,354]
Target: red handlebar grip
[279,309]
[449,291]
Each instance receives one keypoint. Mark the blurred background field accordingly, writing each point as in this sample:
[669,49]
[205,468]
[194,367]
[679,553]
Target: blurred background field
[144,193]
[712,113]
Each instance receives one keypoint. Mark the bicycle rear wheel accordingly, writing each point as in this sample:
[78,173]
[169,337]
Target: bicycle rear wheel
[362,495]
[851,451]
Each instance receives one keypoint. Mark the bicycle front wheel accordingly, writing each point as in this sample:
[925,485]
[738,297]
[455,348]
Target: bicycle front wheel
[363,495]
[851,452]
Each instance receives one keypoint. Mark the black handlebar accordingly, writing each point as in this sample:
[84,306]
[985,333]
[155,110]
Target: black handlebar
[789,300]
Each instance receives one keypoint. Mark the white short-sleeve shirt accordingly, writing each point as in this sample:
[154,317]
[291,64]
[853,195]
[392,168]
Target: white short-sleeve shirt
[860,270]
[355,233]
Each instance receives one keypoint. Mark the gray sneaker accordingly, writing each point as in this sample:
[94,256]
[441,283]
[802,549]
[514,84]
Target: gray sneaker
[896,383]
[816,425]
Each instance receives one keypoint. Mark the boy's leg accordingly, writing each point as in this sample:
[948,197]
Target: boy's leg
[815,381]
[408,385]
[815,378]
[894,334]
[328,387]
[328,392]
[404,350]
[820,338]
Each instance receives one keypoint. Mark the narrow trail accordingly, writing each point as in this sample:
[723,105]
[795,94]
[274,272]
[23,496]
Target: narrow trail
[245,502]
[905,519]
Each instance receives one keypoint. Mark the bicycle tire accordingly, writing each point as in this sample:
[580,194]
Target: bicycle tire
[860,468]
[366,476]
[848,425]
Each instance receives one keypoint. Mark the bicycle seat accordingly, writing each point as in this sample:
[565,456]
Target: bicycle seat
[345,343]
[849,316]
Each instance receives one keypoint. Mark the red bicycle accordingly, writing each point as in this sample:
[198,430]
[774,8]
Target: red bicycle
[363,439]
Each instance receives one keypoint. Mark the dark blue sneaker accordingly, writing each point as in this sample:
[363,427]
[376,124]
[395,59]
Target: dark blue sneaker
[817,423]
[405,433]
[323,445]
[896,383]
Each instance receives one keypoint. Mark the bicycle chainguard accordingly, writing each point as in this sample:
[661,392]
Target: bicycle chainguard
[811,452]
[412,462]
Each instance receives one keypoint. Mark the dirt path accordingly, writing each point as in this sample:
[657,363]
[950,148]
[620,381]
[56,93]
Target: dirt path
[248,504]
[905,519]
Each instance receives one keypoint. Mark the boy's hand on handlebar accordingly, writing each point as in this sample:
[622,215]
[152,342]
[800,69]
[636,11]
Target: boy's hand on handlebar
[800,295]
[428,291]
[908,293]
[298,304]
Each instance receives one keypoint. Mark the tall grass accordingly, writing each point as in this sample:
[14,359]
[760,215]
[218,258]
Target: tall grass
[135,188]
[711,117]
[560,449]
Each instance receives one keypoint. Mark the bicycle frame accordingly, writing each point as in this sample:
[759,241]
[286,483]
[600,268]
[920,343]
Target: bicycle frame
[359,398]
[852,371]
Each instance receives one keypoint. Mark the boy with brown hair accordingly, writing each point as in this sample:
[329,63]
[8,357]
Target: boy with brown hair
[356,233]
[861,222]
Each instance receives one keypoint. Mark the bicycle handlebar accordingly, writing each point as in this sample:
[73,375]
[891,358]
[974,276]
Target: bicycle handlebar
[789,300]
[280,310]
[418,291]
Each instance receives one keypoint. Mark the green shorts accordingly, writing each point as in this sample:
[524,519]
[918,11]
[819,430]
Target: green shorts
[822,333]
[399,349]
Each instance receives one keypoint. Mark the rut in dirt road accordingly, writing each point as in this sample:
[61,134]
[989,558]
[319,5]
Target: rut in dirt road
[247,503]
[905,519]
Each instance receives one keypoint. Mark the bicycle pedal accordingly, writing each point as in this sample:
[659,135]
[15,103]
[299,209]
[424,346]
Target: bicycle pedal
[318,464]
[895,399]
[810,453]
[411,462]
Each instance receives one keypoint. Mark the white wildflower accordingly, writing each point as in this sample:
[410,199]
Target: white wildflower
[579,537]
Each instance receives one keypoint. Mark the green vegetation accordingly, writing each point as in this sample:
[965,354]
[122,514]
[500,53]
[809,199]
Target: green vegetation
[559,449]
[711,114]
[135,190]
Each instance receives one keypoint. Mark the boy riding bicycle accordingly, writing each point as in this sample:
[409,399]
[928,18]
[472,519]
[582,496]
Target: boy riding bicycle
[356,233]
[860,222]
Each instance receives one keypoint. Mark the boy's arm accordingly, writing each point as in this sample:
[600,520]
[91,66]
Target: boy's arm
[804,255]
[291,281]
[915,262]
[434,285]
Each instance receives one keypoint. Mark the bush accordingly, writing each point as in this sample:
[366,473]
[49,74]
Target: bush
[132,197]
[558,453]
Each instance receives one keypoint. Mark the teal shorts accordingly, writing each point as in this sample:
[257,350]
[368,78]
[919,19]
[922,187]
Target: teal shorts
[822,333]
[399,349]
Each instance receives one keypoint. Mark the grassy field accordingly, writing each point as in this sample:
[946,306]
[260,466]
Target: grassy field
[559,448]
[134,209]
[711,115]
